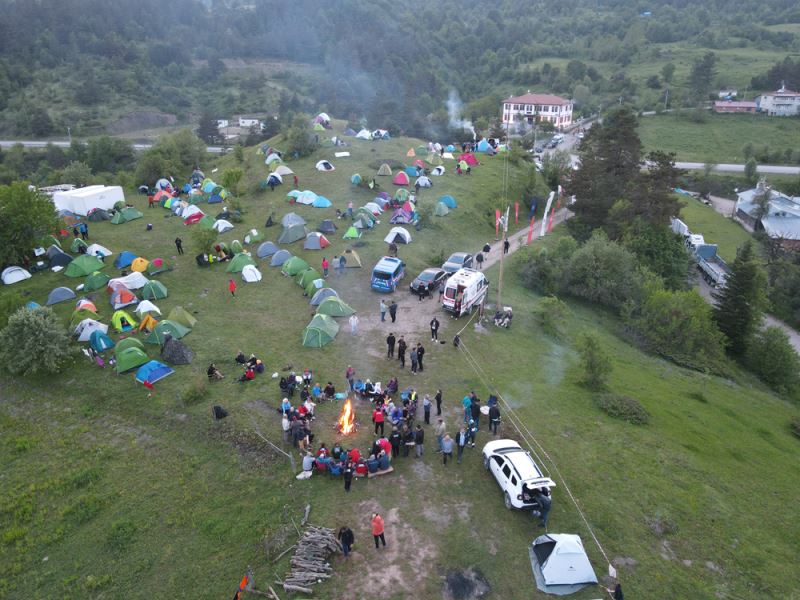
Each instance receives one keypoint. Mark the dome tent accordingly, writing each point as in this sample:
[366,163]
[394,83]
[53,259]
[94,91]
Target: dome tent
[13,275]
[441,209]
[145,306]
[321,202]
[385,170]
[334,307]
[424,182]
[400,179]
[321,295]
[129,342]
[165,328]
[250,274]
[76,246]
[98,250]
[100,342]
[327,226]
[398,235]
[293,266]
[59,294]
[448,201]
[139,264]
[158,265]
[154,290]
[239,262]
[438,171]
[283,170]
[355,179]
[175,352]
[124,259]
[292,234]
[560,565]
[279,258]
[324,165]
[253,237]
[316,241]
[83,265]
[122,320]
[182,316]
[291,218]
[266,250]
[87,327]
[129,359]
[221,225]
[315,286]
[152,372]
[306,277]
[96,281]
[320,331]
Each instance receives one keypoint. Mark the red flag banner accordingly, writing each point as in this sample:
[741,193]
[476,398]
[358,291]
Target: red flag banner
[516,213]
[550,223]
[496,222]
[530,231]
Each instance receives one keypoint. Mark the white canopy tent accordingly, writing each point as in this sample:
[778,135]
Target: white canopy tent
[82,200]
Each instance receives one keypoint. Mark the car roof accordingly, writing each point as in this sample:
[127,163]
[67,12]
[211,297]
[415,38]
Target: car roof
[522,462]
[431,270]
[388,262]
[461,255]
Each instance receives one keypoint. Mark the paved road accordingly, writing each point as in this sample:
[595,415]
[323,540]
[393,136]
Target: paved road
[66,144]
[732,168]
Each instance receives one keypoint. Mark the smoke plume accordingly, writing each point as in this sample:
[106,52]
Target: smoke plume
[454,108]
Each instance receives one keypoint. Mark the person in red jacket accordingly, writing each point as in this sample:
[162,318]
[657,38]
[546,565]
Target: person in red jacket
[325,266]
[378,419]
[377,530]
[232,287]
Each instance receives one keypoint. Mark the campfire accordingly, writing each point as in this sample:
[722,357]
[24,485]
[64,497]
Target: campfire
[347,420]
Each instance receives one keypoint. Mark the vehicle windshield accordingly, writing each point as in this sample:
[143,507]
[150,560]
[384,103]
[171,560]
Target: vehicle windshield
[381,275]
[456,258]
[426,276]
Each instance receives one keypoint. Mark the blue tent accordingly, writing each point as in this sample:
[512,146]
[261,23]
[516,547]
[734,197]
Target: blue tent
[355,179]
[450,148]
[125,259]
[186,188]
[483,146]
[321,202]
[100,342]
[448,201]
[208,186]
[294,194]
[153,371]
[215,199]
[412,171]
[32,305]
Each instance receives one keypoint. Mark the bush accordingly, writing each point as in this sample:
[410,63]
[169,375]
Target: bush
[622,407]
[545,270]
[552,314]
[196,392]
[771,356]
[203,240]
[595,363]
[121,535]
[34,341]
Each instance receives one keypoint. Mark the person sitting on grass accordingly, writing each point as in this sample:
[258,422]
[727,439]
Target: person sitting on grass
[248,375]
[259,366]
[240,358]
[316,391]
[330,391]
[252,361]
[310,406]
[392,386]
[214,373]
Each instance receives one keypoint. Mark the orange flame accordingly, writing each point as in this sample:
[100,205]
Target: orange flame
[347,421]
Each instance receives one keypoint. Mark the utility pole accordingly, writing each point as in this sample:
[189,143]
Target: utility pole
[503,238]
[69,135]
[666,99]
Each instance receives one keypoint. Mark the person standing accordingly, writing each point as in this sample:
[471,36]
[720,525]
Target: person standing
[353,324]
[84,231]
[414,359]
[408,434]
[467,404]
[479,260]
[325,266]
[342,263]
[390,341]
[286,426]
[442,285]
[506,246]
[438,398]
[401,352]
[447,448]
[348,475]
[420,355]
[179,245]
[494,418]
[395,439]
[347,539]
[350,374]
[383,311]
[296,181]
[475,412]
[419,440]
[426,409]
[487,248]
[434,329]
[461,441]
[350,209]
[378,419]
[439,431]
[377,530]
[393,310]
[232,287]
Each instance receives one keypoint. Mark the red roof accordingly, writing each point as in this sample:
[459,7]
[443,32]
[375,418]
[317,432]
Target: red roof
[537,99]
[735,104]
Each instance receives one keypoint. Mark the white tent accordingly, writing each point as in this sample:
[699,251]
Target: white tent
[272,158]
[324,117]
[448,155]
[424,182]
[86,327]
[14,275]
[134,281]
[283,170]
[82,200]
[560,565]
[221,225]
[364,135]
[96,249]
[190,210]
[398,235]
[306,197]
[324,165]
[145,306]
[438,171]
[250,274]
[373,208]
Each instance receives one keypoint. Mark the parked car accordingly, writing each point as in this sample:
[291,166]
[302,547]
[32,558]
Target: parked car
[428,281]
[515,472]
[457,260]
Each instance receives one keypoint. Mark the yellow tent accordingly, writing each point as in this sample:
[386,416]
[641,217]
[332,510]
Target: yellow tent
[148,323]
[140,264]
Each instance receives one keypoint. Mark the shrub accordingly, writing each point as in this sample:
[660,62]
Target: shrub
[195,393]
[771,356]
[552,314]
[595,363]
[34,341]
[121,534]
[203,240]
[622,407]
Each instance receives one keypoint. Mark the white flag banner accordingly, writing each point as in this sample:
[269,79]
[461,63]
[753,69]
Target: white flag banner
[547,210]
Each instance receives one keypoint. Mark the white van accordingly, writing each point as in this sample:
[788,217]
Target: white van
[466,289]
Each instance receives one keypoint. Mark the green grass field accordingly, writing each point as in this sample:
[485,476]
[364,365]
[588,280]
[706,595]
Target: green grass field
[108,493]
[720,139]
[715,228]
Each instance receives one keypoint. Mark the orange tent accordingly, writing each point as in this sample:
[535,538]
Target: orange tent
[148,323]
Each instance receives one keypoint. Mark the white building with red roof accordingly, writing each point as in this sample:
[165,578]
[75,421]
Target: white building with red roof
[781,103]
[537,108]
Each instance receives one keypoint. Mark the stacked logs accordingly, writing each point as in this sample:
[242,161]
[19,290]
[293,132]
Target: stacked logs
[309,564]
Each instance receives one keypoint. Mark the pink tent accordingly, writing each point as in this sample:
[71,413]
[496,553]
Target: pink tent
[469,159]
[401,178]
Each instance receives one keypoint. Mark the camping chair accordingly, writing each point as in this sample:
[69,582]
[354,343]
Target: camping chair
[335,469]
[321,466]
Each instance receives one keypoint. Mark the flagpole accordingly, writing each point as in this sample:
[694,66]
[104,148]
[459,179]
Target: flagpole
[503,239]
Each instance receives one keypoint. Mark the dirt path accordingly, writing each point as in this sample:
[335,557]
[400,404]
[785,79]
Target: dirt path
[519,239]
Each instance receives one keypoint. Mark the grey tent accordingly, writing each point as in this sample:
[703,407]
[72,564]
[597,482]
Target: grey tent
[560,565]
[292,219]
[280,257]
[317,298]
[99,215]
[60,294]
[266,249]
[175,352]
[60,259]
[292,234]
[327,226]
[53,251]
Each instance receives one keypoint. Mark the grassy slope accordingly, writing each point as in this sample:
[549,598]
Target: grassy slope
[88,449]
[715,228]
[720,139]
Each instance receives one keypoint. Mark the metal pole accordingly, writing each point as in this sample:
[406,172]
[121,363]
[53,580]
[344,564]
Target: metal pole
[502,255]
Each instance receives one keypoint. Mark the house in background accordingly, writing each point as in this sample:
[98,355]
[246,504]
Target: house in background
[727,94]
[781,103]
[734,106]
[537,108]
[779,219]
[222,123]
[249,122]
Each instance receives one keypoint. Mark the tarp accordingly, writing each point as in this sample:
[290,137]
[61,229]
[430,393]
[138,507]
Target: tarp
[385,170]
[154,290]
[306,197]
[239,262]
[182,316]
[321,202]
[100,342]
[315,241]
[165,328]
[291,218]
[14,275]
[82,200]
[279,258]
[400,179]
[152,372]
[321,295]
[320,331]
[398,235]
[117,320]
[560,565]
[251,274]
[129,358]
[83,265]
[292,234]
[293,266]
[448,201]
[334,307]
[60,294]
[266,249]
[124,259]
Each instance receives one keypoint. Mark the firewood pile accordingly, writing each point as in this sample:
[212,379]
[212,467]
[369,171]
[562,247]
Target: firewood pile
[309,564]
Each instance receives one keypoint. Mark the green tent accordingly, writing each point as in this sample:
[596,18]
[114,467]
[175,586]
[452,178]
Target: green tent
[293,266]
[80,315]
[77,244]
[125,215]
[422,150]
[96,281]
[83,265]
[441,209]
[129,342]
[154,290]
[158,265]
[182,316]
[239,262]
[364,214]
[206,222]
[292,233]
[401,195]
[50,240]
[129,358]
[164,328]
[463,165]
[306,277]
[236,247]
[116,320]
[352,233]
[313,287]
[253,237]
[318,127]
[333,306]
[320,331]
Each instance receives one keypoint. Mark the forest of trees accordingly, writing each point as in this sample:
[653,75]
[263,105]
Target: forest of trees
[69,62]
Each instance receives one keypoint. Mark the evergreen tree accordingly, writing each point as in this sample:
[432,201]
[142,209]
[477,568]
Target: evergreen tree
[740,304]
[207,129]
[34,341]
[25,216]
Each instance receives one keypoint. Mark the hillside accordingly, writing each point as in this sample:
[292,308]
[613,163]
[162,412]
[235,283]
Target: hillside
[109,492]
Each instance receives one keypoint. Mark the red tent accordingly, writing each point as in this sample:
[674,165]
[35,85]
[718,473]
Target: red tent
[418,163]
[400,179]
[469,159]
[192,219]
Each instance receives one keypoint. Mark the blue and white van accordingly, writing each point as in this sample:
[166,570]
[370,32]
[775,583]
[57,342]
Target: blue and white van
[387,274]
